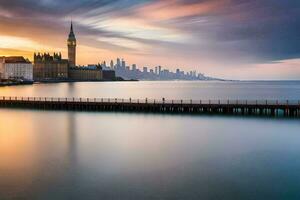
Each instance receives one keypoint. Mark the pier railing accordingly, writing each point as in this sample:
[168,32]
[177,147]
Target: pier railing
[153,101]
[289,108]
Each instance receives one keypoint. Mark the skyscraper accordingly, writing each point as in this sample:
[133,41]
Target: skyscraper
[145,69]
[118,63]
[72,47]
[123,64]
[112,65]
[159,70]
[134,67]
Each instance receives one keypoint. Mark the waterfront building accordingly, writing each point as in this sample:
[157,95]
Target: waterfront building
[108,75]
[104,64]
[123,64]
[118,63]
[112,67]
[50,67]
[81,73]
[72,47]
[91,73]
[159,70]
[158,73]
[16,67]
[145,70]
[86,73]
[134,67]
[53,67]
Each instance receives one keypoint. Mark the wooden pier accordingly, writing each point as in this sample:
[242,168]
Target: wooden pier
[220,107]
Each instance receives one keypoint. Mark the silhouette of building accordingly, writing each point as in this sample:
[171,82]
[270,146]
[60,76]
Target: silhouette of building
[118,63]
[53,67]
[112,65]
[159,70]
[72,47]
[123,64]
[158,73]
[134,67]
[108,75]
[50,67]
[86,73]
[145,70]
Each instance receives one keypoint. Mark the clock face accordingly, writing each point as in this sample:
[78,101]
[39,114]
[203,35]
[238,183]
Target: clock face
[71,43]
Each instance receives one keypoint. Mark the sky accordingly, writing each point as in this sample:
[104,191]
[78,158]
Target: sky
[232,39]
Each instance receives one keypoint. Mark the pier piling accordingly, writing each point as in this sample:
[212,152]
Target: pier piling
[270,108]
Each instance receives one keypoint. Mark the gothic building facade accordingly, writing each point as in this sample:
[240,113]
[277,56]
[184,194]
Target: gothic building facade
[54,68]
[50,67]
[76,73]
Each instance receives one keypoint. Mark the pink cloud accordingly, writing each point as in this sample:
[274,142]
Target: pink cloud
[165,10]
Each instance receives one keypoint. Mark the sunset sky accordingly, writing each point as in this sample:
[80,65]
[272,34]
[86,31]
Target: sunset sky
[235,39]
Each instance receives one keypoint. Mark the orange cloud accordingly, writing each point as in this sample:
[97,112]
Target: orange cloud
[165,10]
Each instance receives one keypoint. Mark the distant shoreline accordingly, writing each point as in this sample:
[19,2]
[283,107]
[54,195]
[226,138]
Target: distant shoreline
[5,84]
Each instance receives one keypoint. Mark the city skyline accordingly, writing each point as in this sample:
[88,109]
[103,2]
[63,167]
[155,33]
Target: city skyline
[226,39]
[135,72]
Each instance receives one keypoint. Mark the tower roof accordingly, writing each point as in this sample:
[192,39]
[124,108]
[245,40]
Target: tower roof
[71,34]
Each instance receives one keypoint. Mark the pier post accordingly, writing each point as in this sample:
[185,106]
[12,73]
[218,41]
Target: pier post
[244,107]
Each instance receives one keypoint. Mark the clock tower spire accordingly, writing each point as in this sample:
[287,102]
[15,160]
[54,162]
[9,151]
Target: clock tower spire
[72,47]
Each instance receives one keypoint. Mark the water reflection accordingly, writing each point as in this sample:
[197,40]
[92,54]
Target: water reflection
[72,139]
[73,155]
[169,90]
[33,151]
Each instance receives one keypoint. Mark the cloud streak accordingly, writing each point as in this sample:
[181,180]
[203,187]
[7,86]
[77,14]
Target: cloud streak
[196,33]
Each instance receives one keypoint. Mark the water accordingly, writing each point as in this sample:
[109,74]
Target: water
[84,155]
[275,90]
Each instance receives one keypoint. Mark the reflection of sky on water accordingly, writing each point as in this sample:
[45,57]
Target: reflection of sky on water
[59,155]
[170,90]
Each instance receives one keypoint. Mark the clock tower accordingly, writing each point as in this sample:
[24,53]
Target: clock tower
[72,47]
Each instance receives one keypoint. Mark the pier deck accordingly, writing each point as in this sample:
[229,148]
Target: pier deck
[226,107]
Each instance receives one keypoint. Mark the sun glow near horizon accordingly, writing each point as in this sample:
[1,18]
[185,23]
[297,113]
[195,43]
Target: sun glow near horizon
[12,42]
[13,46]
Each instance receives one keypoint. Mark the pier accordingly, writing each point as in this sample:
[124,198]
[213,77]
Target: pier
[218,107]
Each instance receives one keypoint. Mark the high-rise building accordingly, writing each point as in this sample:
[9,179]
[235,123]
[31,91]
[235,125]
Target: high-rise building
[159,70]
[118,63]
[145,69]
[123,64]
[72,47]
[134,67]
[104,64]
[112,64]
[177,73]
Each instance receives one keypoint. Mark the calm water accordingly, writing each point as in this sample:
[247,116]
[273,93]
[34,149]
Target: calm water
[81,155]
[169,90]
